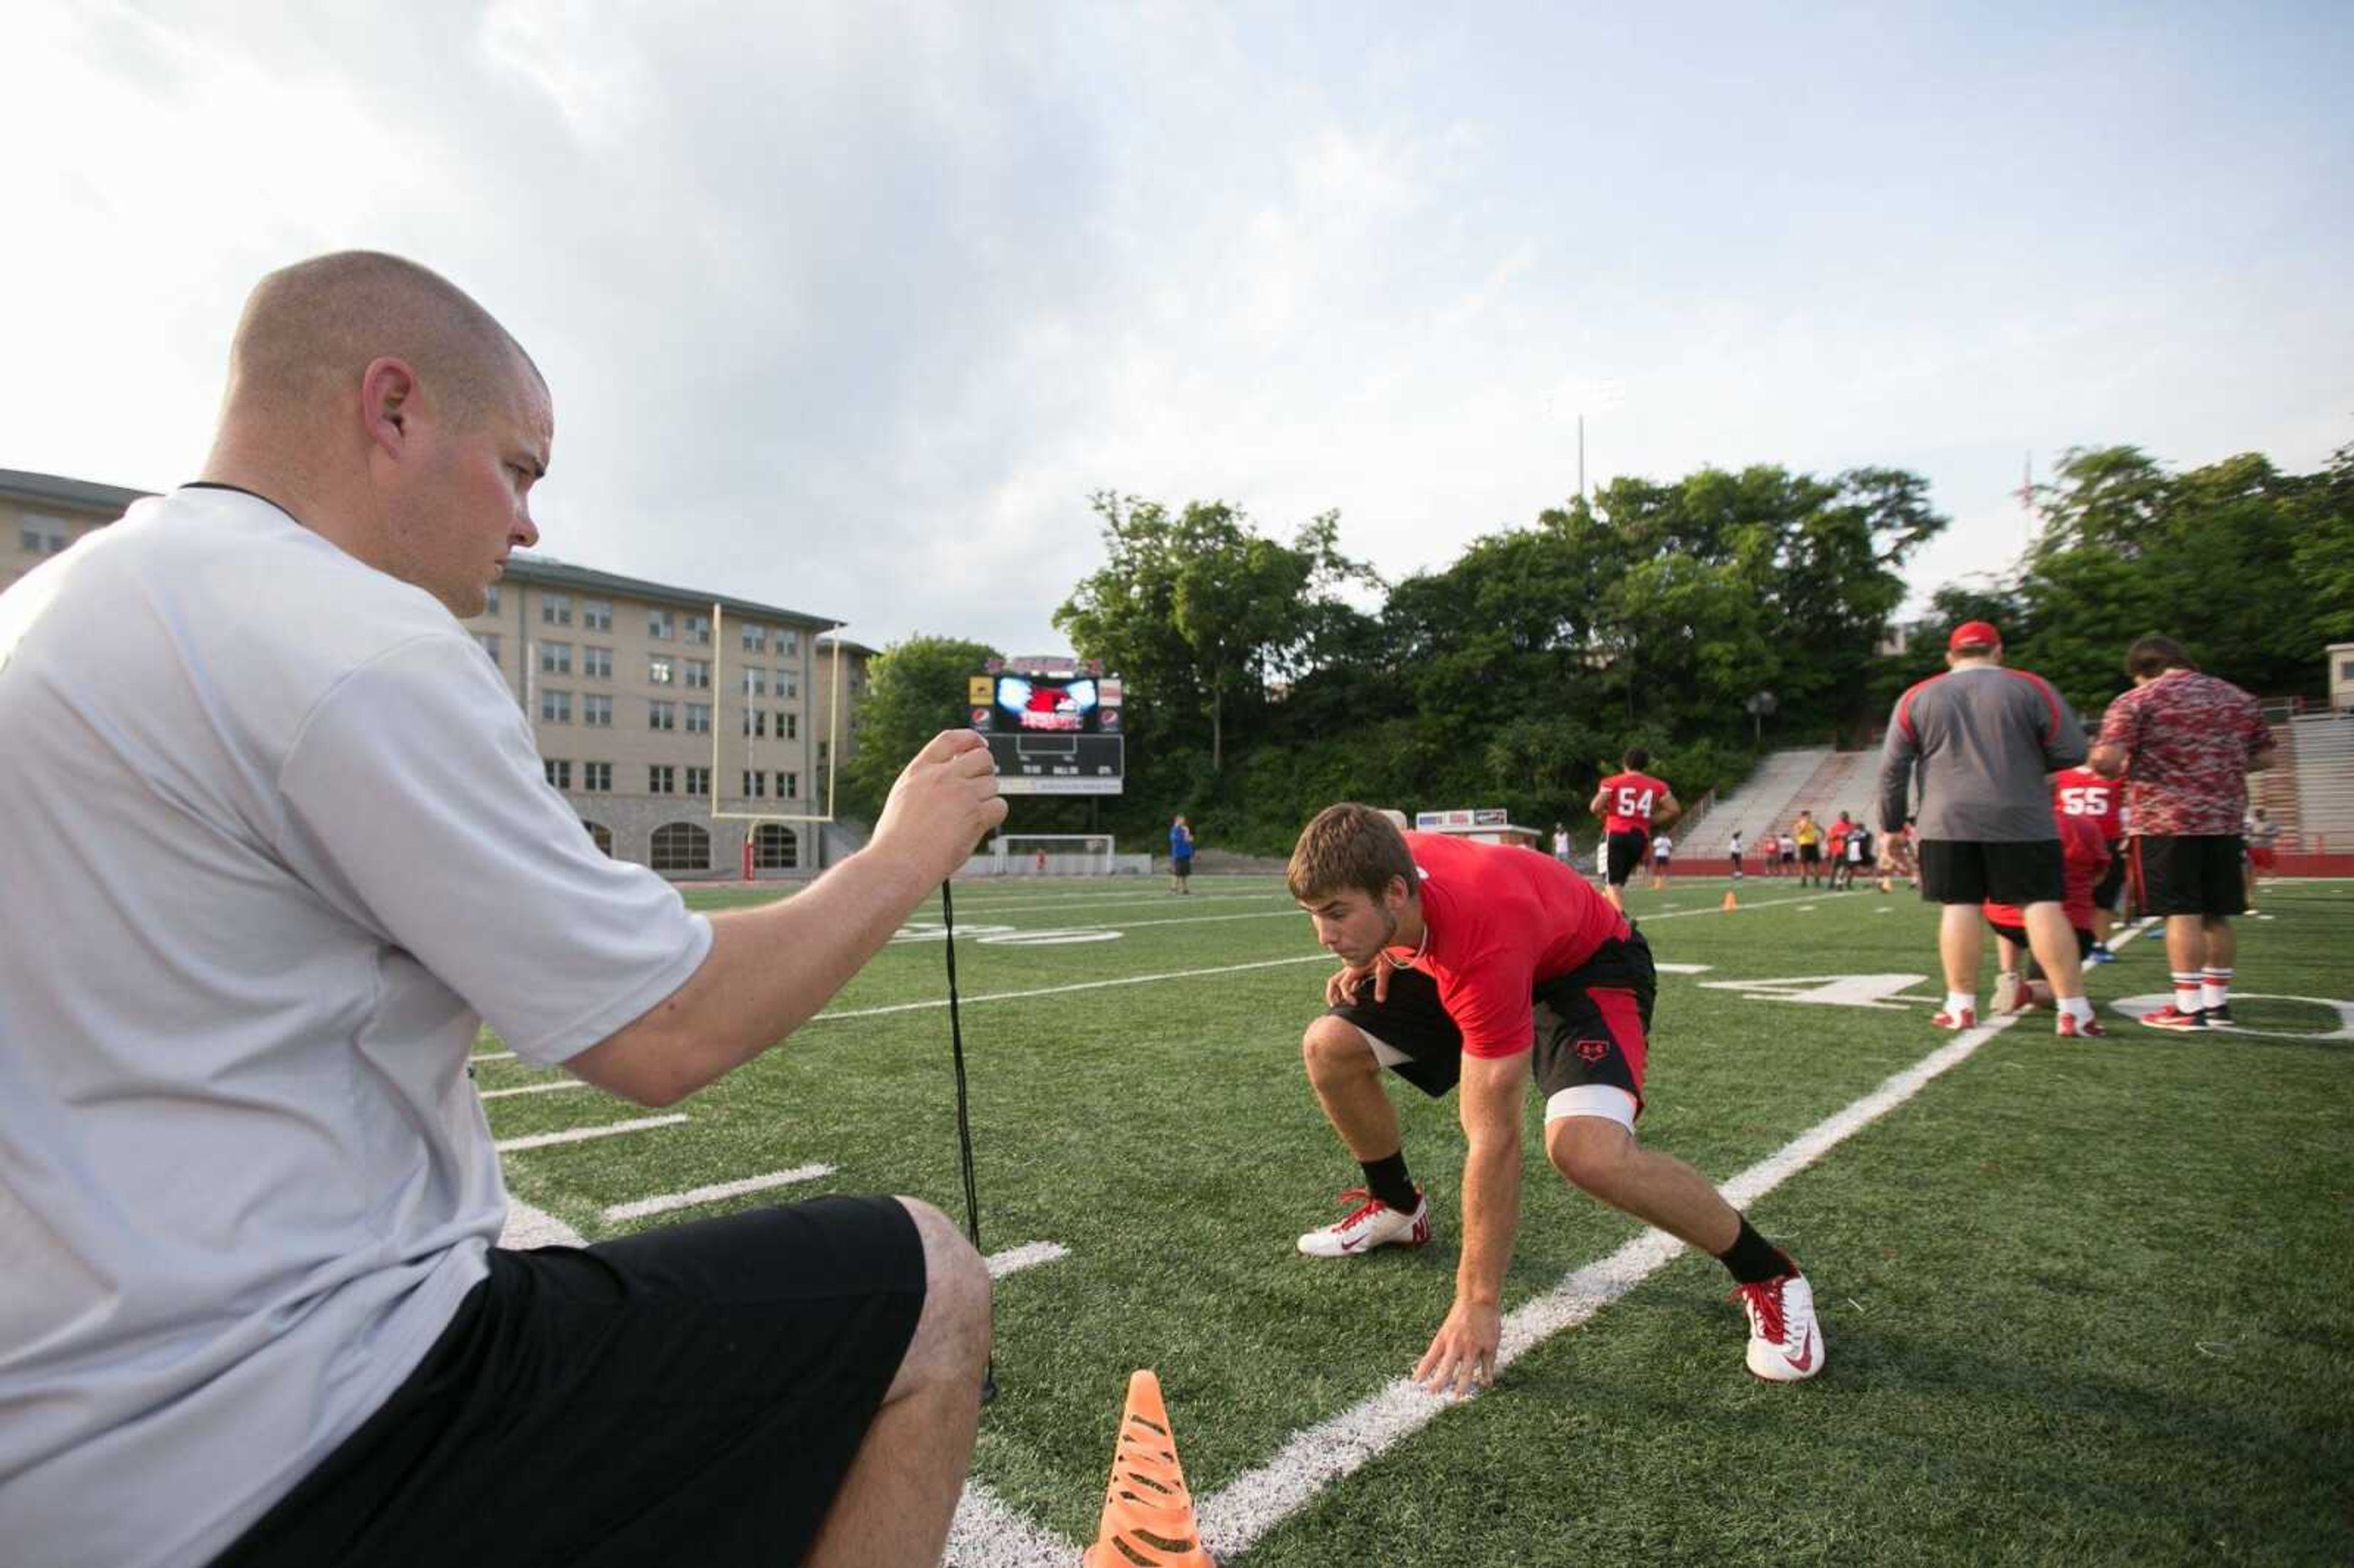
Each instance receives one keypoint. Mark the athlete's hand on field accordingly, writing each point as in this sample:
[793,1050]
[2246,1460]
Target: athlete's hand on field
[1342,987]
[944,800]
[1462,1360]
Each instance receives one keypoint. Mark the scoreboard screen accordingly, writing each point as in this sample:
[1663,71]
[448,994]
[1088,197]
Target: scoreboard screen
[1053,725]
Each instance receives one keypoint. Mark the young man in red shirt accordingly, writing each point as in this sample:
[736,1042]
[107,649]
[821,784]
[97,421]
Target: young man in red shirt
[1630,805]
[1479,965]
[2185,744]
[2080,793]
[2084,860]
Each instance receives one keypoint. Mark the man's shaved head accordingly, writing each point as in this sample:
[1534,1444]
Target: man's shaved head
[310,329]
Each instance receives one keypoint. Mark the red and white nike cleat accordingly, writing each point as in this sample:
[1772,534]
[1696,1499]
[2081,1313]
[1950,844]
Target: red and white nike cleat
[2074,1028]
[1966,1018]
[1370,1225]
[2173,1018]
[1785,1345]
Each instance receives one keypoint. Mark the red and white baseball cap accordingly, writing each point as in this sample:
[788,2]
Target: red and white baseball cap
[1974,635]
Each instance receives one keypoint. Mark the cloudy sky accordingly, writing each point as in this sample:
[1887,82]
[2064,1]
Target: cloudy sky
[849,307]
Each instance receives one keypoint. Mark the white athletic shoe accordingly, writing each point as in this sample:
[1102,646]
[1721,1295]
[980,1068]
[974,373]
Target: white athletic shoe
[1370,1225]
[1785,1343]
[2010,994]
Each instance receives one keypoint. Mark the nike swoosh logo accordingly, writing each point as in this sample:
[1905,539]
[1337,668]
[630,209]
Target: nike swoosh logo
[1353,1243]
[1807,1362]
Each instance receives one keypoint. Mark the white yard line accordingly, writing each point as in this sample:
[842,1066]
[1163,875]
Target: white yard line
[1064,990]
[1029,1254]
[712,1195]
[534,1088]
[530,1227]
[582,1134]
[493,1056]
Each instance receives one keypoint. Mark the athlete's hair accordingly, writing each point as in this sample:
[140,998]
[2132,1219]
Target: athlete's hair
[1347,846]
[1636,760]
[2155,655]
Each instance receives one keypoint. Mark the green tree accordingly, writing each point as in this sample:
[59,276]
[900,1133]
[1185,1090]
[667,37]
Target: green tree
[915,690]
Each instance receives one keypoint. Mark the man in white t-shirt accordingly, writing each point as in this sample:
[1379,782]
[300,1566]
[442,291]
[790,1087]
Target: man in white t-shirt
[1663,849]
[278,840]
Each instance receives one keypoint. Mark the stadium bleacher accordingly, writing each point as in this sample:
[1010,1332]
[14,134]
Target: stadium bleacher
[1769,797]
[2319,757]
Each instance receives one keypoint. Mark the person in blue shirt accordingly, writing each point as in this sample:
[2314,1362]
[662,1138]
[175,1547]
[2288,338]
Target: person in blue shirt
[1181,856]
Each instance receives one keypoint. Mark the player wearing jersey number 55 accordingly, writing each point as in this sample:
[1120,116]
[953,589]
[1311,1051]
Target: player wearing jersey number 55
[1478,965]
[1630,805]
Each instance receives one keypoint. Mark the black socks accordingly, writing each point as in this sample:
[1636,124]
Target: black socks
[1388,1180]
[1754,1259]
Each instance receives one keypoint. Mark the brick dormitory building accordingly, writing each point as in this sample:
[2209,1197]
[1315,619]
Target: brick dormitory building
[642,697]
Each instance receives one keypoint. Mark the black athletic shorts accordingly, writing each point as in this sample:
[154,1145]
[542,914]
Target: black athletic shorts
[1968,871]
[1598,1018]
[2017,935]
[690,1394]
[1626,855]
[2184,873]
[1812,854]
[2112,881]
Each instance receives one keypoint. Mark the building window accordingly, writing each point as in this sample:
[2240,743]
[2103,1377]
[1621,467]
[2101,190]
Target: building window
[698,781]
[660,626]
[792,725]
[556,658]
[822,747]
[597,663]
[698,719]
[42,536]
[596,777]
[659,779]
[596,614]
[696,673]
[555,707]
[789,687]
[756,785]
[775,847]
[555,609]
[788,641]
[489,644]
[756,639]
[597,709]
[756,681]
[681,846]
[600,835]
[788,786]
[662,715]
[756,724]
[491,600]
[699,629]
[658,670]
[559,772]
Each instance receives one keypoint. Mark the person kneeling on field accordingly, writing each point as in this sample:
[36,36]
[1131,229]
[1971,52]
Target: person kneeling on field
[2019,985]
[1474,964]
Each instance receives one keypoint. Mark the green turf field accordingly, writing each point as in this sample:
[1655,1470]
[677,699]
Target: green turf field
[2083,1303]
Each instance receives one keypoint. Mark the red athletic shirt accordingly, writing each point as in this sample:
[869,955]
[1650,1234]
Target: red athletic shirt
[2081,792]
[1501,920]
[2086,854]
[1632,797]
[1838,833]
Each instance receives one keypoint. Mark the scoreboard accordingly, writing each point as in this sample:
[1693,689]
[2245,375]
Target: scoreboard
[1053,725]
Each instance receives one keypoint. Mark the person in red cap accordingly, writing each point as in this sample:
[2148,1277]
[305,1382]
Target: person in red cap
[1980,742]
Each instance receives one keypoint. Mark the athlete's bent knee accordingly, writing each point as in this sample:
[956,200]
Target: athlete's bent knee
[1588,1150]
[952,1334]
[1336,1046]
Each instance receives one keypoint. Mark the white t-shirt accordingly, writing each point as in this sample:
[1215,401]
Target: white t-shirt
[1736,843]
[1661,846]
[275,838]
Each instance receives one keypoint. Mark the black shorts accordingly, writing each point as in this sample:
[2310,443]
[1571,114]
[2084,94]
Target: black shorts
[1181,866]
[690,1394]
[1812,854]
[2184,873]
[1597,1018]
[2017,936]
[1970,870]
[2112,881]
[1626,855]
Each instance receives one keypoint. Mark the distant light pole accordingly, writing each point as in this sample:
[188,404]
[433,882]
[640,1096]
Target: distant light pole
[1759,704]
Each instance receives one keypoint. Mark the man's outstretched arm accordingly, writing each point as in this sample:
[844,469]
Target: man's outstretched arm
[770,968]
[1463,1355]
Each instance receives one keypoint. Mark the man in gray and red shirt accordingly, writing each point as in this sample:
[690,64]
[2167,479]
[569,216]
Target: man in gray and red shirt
[2185,744]
[1983,740]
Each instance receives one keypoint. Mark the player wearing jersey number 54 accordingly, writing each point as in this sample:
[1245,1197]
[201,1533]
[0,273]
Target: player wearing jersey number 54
[1479,965]
[2185,744]
[1630,805]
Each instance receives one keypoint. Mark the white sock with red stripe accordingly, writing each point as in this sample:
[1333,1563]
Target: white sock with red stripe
[2215,988]
[2186,991]
[1960,1001]
[2080,1008]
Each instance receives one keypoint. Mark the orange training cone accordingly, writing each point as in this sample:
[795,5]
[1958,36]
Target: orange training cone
[1147,1514]
[1731,903]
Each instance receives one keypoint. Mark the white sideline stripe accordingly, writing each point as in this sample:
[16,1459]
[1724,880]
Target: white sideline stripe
[530,1227]
[986,1533]
[1029,1254]
[493,1056]
[582,1134]
[534,1088]
[1244,1510]
[712,1195]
